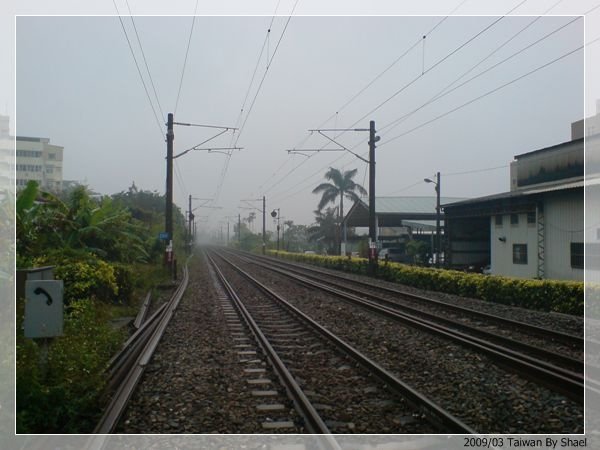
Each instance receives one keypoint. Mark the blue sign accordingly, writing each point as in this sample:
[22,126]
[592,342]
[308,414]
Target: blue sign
[163,236]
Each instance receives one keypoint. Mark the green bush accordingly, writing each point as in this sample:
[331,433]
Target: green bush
[85,279]
[86,276]
[63,396]
[543,295]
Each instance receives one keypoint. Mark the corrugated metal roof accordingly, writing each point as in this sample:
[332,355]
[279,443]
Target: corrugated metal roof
[423,224]
[391,205]
[520,193]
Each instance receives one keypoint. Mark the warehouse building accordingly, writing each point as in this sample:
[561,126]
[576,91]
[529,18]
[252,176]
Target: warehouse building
[536,230]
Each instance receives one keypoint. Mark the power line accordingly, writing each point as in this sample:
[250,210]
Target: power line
[160,127]
[453,110]
[445,91]
[179,178]
[406,187]
[405,87]
[518,6]
[145,61]
[343,155]
[429,70]
[482,96]
[487,169]
[552,7]
[187,50]
[590,10]
[398,59]
[269,62]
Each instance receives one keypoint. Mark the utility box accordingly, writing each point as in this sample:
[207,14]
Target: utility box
[36,273]
[43,308]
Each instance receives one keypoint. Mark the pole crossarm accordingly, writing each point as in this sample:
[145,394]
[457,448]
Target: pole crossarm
[341,147]
[197,146]
[208,207]
[204,126]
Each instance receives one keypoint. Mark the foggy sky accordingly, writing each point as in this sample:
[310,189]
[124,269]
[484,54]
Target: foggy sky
[78,85]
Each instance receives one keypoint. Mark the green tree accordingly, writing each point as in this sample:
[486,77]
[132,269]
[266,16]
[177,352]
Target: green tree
[341,185]
[417,250]
[325,230]
[296,237]
[81,224]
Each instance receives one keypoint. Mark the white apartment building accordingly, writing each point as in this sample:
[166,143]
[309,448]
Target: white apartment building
[39,160]
[7,156]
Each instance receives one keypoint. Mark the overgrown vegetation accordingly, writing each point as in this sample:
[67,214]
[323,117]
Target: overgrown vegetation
[542,295]
[105,250]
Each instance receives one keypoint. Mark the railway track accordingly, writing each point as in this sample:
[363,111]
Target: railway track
[331,391]
[397,295]
[397,348]
[555,370]
[275,344]
[127,367]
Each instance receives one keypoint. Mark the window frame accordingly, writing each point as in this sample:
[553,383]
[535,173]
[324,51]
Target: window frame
[578,255]
[518,255]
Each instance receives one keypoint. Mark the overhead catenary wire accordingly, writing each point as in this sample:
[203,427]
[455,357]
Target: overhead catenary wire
[502,86]
[442,93]
[368,85]
[445,91]
[187,51]
[145,61]
[242,127]
[387,69]
[453,110]
[269,62]
[440,61]
[158,122]
[405,86]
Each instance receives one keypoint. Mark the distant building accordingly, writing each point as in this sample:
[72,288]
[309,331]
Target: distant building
[398,219]
[39,160]
[536,230]
[7,155]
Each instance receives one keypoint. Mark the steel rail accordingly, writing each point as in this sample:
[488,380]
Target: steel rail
[115,361]
[303,405]
[437,415]
[116,407]
[556,358]
[565,338]
[566,382]
[141,316]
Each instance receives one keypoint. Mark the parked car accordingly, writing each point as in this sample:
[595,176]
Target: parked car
[487,270]
[393,254]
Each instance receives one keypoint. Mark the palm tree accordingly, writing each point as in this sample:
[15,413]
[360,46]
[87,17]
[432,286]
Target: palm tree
[341,185]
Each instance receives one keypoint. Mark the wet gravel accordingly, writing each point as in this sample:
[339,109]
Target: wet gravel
[348,398]
[196,381]
[565,323]
[441,310]
[469,385]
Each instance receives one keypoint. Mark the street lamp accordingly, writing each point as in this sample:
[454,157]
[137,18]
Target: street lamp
[437,218]
[276,213]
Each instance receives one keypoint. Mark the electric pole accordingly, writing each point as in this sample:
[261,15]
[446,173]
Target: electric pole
[372,218]
[437,222]
[240,230]
[264,245]
[190,220]
[169,205]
